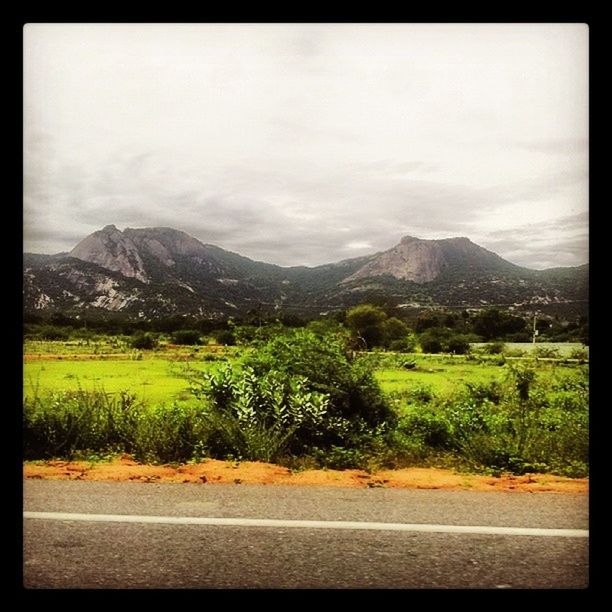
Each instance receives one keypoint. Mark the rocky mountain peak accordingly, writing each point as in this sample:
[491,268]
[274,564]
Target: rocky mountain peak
[113,250]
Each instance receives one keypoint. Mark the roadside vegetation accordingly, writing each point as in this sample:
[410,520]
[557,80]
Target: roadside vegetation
[365,389]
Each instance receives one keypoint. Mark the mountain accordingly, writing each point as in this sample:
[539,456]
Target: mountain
[156,272]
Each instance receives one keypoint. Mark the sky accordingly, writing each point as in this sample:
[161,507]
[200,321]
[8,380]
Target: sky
[304,144]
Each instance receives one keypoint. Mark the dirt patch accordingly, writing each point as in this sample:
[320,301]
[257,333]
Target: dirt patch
[248,472]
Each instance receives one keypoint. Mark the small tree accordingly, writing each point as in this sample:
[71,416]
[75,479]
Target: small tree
[226,337]
[186,336]
[141,341]
[366,322]
[394,330]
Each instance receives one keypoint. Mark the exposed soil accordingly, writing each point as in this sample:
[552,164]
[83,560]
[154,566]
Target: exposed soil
[247,472]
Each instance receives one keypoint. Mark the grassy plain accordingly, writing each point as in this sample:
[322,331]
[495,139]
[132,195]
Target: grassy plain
[160,376]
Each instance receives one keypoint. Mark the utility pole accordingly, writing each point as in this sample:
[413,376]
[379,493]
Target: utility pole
[535,331]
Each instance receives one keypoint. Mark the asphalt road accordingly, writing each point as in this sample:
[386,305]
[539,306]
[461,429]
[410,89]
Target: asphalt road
[61,553]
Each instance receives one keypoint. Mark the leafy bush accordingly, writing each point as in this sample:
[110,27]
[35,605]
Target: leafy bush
[170,434]
[61,424]
[458,344]
[546,352]
[51,332]
[226,337]
[420,394]
[258,417]
[403,345]
[186,337]
[430,342]
[143,341]
[428,427]
[444,340]
[354,394]
[367,323]
[580,354]
[494,348]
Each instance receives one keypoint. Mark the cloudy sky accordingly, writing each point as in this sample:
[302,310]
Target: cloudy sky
[307,144]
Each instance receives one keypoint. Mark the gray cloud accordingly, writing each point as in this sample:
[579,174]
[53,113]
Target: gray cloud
[310,144]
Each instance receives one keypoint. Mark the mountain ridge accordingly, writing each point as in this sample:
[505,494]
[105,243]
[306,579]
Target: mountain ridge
[153,272]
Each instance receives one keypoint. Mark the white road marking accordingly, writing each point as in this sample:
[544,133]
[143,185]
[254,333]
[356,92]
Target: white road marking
[250,522]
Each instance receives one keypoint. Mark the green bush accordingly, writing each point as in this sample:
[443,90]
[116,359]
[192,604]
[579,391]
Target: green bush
[143,341]
[580,354]
[258,417]
[60,424]
[354,394]
[51,332]
[458,344]
[403,345]
[430,342]
[170,434]
[494,348]
[444,340]
[226,337]
[186,337]
[427,427]
[546,352]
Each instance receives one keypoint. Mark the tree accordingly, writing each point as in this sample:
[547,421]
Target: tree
[186,336]
[225,336]
[366,322]
[142,340]
[395,329]
[493,323]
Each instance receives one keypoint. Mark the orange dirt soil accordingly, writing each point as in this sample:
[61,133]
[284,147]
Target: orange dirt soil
[248,472]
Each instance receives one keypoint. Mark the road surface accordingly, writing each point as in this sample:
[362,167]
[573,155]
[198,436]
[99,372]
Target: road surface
[135,535]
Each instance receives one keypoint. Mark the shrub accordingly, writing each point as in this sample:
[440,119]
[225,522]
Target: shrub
[61,424]
[258,417]
[367,323]
[403,345]
[430,343]
[494,348]
[354,394]
[420,394]
[51,332]
[444,340]
[458,344]
[546,352]
[428,427]
[170,434]
[186,337]
[143,341]
[226,337]
[580,354]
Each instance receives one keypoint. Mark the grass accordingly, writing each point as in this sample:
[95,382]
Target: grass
[157,379]
[564,349]
[439,416]
[152,380]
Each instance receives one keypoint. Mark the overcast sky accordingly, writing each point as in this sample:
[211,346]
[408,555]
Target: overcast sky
[307,144]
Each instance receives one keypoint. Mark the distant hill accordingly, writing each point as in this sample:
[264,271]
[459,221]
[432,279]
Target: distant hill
[156,272]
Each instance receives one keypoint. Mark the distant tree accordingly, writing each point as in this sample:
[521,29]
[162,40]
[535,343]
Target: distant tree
[395,329]
[444,340]
[226,337]
[142,340]
[493,323]
[426,320]
[186,336]
[52,332]
[430,342]
[366,322]
[459,344]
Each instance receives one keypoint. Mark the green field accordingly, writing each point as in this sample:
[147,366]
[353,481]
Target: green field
[154,380]
[157,379]
[442,409]
[564,349]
